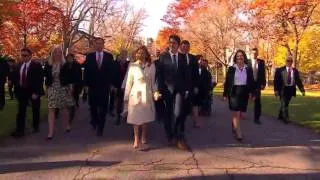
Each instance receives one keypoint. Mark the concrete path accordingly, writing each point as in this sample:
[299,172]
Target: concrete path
[270,151]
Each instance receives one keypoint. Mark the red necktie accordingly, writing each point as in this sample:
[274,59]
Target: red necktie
[289,77]
[24,76]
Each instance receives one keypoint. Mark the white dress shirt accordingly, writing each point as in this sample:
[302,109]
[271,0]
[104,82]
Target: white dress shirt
[240,76]
[200,70]
[27,64]
[255,67]
[292,77]
[101,56]
[188,59]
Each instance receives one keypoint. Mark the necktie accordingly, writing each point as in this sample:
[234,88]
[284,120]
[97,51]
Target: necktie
[99,60]
[175,60]
[289,77]
[24,76]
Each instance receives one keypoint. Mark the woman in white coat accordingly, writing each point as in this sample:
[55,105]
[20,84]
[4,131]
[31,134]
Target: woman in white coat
[138,96]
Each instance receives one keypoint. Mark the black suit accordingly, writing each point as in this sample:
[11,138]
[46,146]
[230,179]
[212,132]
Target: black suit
[159,104]
[98,81]
[34,85]
[4,73]
[286,92]
[192,66]
[174,80]
[75,75]
[259,81]
[204,85]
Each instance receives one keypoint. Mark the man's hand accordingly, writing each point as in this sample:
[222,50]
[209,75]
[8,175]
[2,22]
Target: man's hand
[252,97]
[34,96]
[186,95]
[195,90]
[225,98]
[156,95]
[262,87]
[276,93]
[86,88]
[303,93]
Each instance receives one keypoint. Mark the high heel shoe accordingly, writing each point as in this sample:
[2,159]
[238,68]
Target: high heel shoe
[233,129]
[49,138]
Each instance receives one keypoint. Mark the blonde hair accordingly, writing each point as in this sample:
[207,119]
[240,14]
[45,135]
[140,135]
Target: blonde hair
[56,47]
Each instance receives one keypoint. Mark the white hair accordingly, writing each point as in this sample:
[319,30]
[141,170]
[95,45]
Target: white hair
[55,47]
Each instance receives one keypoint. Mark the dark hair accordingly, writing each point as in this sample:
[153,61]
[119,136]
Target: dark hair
[186,42]
[26,50]
[175,38]
[198,57]
[99,38]
[70,54]
[147,54]
[244,55]
[255,49]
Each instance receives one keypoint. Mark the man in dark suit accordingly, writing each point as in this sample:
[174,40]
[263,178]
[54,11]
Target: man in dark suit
[121,65]
[159,104]
[4,73]
[173,86]
[10,85]
[28,86]
[205,87]
[74,76]
[285,81]
[99,74]
[259,74]
[192,65]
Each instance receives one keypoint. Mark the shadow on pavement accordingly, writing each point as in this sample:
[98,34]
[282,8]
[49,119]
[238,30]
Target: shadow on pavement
[300,176]
[24,167]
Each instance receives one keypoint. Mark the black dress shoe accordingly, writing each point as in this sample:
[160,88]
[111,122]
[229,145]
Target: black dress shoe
[34,131]
[257,121]
[49,138]
[17,134]
[99,133]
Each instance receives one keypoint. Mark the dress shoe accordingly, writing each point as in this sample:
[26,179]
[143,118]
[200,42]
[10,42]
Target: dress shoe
[99,133]
[17,134]
[182,145]
[257,121]
[35,131]
[49,138]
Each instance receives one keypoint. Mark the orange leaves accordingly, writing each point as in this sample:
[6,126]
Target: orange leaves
[163,35]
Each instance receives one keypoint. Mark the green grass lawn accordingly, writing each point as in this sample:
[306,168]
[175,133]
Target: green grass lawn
[304,110]
[8,116]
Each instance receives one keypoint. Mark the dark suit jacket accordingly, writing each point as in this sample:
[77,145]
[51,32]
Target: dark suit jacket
[4,71]
[193,70]
[280,78]
[261,73]
[121,72]
[229,82]
[99,80]
[204,81]
[69,74]
[168,75]
[34,79]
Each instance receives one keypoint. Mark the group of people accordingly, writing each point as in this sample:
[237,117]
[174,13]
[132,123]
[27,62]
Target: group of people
[246,79]
[169,88]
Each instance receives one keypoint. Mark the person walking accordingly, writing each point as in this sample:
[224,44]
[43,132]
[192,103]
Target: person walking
[138,96]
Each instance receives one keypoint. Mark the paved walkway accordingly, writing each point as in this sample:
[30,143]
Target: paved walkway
[270,151]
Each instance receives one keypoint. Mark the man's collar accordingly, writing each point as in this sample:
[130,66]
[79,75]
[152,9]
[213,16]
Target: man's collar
[170,52]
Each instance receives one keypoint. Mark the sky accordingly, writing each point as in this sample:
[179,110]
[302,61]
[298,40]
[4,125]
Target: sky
[155,10]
